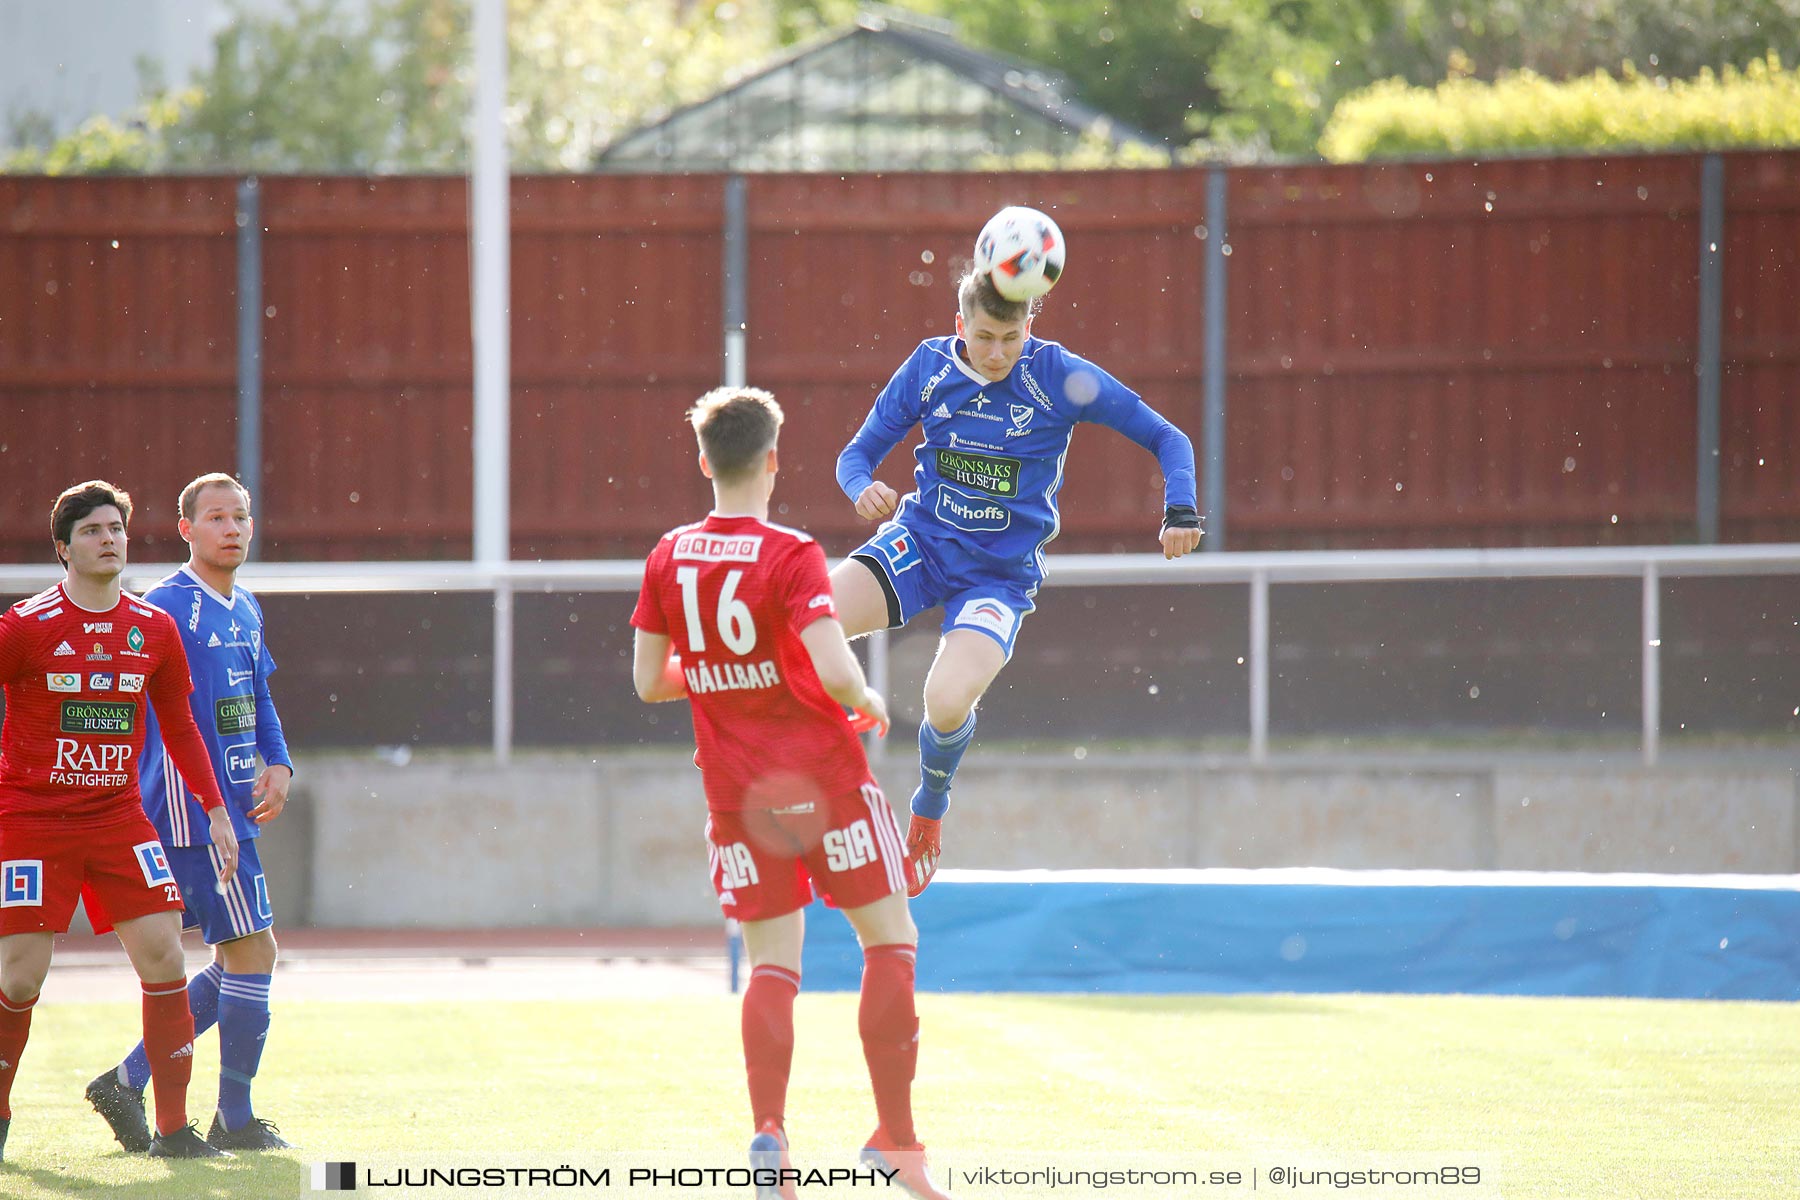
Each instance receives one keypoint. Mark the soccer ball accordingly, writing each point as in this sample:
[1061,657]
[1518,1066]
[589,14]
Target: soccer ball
[1022,251]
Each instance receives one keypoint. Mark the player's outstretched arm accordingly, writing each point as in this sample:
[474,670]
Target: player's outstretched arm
[656,669]
[840,673]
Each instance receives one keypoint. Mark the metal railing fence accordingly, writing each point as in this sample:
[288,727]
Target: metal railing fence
[1261,571]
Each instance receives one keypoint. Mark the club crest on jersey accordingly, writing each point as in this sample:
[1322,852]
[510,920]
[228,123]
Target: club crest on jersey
[22,883]
[154,863]
[1021,419]
[135,639]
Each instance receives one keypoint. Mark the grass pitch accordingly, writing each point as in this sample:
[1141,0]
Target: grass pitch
[1550,1097]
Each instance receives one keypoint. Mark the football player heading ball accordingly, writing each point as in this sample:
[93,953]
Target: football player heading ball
[998,408]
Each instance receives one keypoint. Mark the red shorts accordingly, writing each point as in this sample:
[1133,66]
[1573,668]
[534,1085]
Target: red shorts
[119,870]
[769,862]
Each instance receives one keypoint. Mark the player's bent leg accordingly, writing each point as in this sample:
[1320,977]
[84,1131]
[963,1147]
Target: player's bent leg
[773,947]
[862,603]
[966,665]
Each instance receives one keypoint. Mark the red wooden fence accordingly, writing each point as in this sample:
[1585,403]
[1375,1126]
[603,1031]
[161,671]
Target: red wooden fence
[1422,354]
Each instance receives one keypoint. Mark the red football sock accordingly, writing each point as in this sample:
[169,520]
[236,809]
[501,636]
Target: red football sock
[768,1022]
[889,1024]
[15,1027]
[169,1043]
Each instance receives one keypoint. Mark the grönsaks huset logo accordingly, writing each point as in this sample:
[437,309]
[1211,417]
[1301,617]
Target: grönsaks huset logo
[99,716]
[235,714]
[334,1177]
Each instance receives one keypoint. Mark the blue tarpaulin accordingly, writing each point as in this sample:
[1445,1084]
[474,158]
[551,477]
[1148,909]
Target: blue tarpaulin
[1304,930]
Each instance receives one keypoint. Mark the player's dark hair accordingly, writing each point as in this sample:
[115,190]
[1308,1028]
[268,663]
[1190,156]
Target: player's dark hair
[190,494]
[736,427]
[80,500]
[977,292]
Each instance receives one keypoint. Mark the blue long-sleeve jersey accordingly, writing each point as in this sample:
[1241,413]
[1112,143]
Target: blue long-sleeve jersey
[231,664]
[992,460]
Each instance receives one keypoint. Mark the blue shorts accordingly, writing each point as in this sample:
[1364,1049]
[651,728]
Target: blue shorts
[241,911]
[918,571]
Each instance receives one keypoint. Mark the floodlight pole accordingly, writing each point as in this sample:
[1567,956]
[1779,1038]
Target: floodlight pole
[489,289]
[249,324]
[736,269]
[1218,251]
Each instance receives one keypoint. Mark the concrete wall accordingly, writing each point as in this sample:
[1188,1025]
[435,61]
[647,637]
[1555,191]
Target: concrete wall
[568,840]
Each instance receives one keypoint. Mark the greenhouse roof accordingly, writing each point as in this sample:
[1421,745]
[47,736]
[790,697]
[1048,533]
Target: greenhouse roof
[894,92]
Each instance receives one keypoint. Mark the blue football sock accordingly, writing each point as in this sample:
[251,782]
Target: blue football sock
[203,1002]
[939,753]
[243,1023]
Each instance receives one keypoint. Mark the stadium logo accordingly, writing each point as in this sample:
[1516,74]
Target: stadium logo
[22,883]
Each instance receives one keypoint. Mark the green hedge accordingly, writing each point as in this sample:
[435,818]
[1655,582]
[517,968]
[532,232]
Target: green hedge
[1525,113]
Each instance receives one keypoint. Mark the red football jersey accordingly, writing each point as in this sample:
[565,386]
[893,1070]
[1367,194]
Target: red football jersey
[76,685]
[733,594]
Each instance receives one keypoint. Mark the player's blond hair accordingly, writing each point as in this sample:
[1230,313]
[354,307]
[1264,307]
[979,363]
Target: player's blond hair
[190,495]
[736,427]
